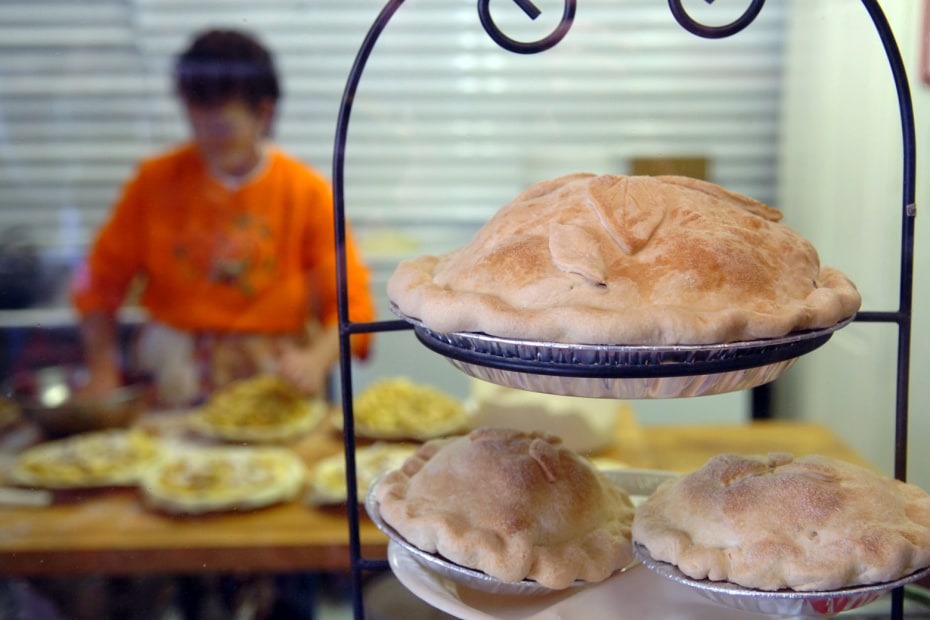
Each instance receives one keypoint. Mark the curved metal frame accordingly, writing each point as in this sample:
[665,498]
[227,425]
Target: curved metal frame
[714,32]
[901,316]
[532,47]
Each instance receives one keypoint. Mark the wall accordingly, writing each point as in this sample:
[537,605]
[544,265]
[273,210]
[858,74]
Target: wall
[840,185]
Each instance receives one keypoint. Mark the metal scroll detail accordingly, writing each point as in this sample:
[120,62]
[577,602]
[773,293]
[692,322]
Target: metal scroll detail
[530,47]
[714,32]
[902,316]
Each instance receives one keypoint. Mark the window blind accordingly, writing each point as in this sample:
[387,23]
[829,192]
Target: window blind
[446,127]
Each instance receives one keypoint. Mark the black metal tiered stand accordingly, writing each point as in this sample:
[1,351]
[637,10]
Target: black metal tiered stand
[900,317]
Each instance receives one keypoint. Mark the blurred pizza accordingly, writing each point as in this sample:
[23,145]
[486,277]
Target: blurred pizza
[197,479]
[327,478]
[397,408]
[265,408]
[96,459]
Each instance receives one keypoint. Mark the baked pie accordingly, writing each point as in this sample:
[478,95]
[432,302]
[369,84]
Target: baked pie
[514,505]
[631,260]
[777,522]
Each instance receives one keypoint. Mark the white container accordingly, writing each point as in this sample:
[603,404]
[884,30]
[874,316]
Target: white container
[585,425]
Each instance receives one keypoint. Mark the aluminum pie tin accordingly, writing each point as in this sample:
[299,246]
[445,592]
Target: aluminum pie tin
[638,483]
[784,603]
[621,371]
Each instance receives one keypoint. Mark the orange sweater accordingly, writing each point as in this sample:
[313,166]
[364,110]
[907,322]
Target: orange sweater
[259,258]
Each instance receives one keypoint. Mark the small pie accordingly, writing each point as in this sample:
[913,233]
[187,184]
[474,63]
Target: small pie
[777,522]
[196,480]
[398,408]
[96,459]
[514,505]
[327,477]
[265,408]
[627,260]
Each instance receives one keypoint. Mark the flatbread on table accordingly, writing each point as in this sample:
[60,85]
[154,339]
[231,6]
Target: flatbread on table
[398,408]
[326,480]
[95,459]
[775,522]
[201,479]
[265,408]
[629,260]
[514,505]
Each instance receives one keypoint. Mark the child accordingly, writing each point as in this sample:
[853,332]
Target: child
[233,240]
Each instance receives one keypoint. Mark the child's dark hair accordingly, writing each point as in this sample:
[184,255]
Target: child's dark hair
[226,65]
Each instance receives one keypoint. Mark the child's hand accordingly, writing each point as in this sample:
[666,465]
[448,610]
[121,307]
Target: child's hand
[307,367]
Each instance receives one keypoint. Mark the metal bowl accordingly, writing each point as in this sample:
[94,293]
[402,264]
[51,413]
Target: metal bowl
[46,397]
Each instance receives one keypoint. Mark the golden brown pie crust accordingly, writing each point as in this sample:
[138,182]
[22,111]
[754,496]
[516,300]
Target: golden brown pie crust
[809,524]
[609,259]
[511,504]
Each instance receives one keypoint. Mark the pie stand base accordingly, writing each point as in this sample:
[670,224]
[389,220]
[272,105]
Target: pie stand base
[646,589]
[634,595]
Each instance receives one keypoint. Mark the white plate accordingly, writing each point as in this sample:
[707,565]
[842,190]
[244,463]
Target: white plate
[634,595]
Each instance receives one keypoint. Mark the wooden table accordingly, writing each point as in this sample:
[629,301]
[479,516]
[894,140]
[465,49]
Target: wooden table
[111,532]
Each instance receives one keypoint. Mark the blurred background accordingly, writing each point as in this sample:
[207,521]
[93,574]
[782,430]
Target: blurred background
[798,111]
